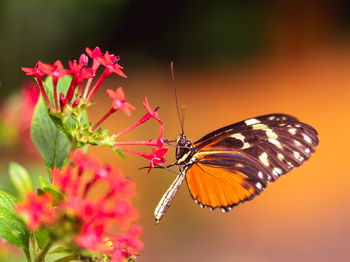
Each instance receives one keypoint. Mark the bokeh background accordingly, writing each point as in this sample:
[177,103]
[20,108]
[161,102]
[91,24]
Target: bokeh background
[233,60]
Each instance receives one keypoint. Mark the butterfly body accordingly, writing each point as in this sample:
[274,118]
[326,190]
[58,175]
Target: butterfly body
[184,150]
[235,163]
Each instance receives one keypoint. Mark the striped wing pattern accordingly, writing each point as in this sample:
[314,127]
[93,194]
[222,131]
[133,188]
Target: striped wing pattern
[235,163]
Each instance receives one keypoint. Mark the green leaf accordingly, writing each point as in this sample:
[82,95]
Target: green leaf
[42,236]
[62,86]
[20,179]
[61,249]
[12,228]
[7,202]
[53,145]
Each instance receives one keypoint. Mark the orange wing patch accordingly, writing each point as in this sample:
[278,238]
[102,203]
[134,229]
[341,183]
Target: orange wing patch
[216,187]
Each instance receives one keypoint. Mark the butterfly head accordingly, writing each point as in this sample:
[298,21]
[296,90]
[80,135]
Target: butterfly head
[184,150]
[182,141]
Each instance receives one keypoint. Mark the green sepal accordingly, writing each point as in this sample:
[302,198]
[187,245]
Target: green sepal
[121,153]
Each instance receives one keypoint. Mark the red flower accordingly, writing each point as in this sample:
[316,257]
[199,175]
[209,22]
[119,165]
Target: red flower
[119,102]
[64,180]
[160,141]
[56,71]
[119,185]
[152,142]
[84,162]
[94,54]
[37,71]
[92,238]
[112,66]
[80,71]
[96,215]
[36,209]
[111,63]
[127,245]
[158,157]
[151,113]
[124,212]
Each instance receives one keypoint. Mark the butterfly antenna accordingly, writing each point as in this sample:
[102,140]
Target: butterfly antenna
[177,105]
[183,111]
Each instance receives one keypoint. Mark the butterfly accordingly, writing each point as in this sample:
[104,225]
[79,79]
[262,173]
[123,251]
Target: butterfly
[235,163]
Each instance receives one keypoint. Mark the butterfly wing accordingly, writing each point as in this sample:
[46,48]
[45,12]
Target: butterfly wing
[224,179]
[235,163]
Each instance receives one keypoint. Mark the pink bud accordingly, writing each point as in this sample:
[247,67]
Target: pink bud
[63,101]
[83,60]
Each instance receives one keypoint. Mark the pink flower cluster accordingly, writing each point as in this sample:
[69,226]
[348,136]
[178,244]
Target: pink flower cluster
[94,213]
[157,156]
[80,72]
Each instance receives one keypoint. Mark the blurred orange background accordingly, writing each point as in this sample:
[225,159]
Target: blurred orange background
[304,71]
[301,217]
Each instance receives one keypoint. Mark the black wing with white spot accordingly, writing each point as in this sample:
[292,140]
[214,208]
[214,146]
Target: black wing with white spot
[247,155]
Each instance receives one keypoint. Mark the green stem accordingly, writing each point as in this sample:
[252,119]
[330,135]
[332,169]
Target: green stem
[73,147]
[26,252]
[44,251]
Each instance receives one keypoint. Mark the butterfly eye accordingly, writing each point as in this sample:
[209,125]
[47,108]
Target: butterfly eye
[182,141]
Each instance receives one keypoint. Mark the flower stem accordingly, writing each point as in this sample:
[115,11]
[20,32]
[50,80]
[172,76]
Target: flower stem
[87,87]
[111,111]
[71,90]
[43,252]
[26,252]
[97,85]
[128,129]
[150,142]
[43,92]
[145,155]
[55,94]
